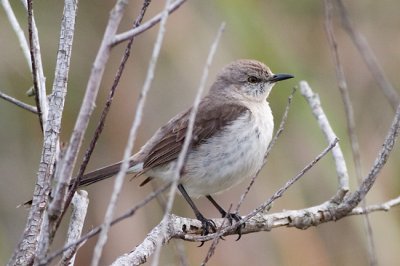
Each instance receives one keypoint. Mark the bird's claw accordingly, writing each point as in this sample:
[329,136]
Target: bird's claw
[208,226]
[235,217]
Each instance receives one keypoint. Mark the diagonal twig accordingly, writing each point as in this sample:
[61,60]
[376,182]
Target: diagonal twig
[341,169]
[272,143]
[23,105]
[369,57]
[149,24]
[23,43]
[105,111]
[131,140]
[188,135]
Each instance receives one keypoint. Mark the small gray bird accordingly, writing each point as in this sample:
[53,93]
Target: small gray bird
[232,131]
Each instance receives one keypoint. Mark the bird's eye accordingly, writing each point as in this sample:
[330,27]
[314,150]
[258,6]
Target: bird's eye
[253,79]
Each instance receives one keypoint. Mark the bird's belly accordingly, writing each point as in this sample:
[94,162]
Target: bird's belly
[226,159]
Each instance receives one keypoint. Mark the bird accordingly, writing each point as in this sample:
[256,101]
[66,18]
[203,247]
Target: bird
[232,130]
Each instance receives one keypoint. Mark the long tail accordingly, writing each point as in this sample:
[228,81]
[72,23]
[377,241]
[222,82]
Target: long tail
[102,173]
[98,175]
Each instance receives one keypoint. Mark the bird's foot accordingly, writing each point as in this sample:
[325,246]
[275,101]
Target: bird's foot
[207,225]
[235,217]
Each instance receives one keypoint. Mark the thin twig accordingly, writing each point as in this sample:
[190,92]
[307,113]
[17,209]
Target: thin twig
[274,197]
[272,143]
[377,207]
[351,125]
[18,103]
[131,140]
[215,242]
[316,108]
[106,109]
[23,43]
[188,134]
[352,200]
[369,57]
[149,24]
[40,98]
[80,202]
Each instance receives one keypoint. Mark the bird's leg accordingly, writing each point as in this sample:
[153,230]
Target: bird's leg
[208,225]
[230,216]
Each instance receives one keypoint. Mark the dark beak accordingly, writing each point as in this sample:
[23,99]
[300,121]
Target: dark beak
[279,77]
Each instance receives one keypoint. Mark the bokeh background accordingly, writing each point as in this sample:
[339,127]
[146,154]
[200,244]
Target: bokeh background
[288,36]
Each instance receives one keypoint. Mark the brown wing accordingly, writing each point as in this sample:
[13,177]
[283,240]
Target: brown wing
[210,119]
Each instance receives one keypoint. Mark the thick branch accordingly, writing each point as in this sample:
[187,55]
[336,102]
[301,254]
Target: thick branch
[190,229]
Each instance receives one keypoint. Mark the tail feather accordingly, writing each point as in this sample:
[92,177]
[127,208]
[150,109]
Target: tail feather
[103,173]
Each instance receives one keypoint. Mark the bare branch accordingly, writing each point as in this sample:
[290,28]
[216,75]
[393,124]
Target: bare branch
[131,140]
[369,57]
[23,43]
[56,102]
[80,202]
[149,24]
[39,81]
[66,165]
[386,206]
[96,230]
[351,125]
[188,133]
[341,169]
[26,250]
[190,229]
[23,105]
[352,200]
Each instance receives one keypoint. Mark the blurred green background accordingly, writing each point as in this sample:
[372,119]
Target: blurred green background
[288,36]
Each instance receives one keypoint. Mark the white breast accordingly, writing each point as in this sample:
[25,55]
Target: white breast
[228,158]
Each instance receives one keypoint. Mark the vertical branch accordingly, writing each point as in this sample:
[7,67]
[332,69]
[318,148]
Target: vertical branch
[131,140]
[369,57]
[27,248]
[351,125]
[80,203]
[57,99]
[39,81]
